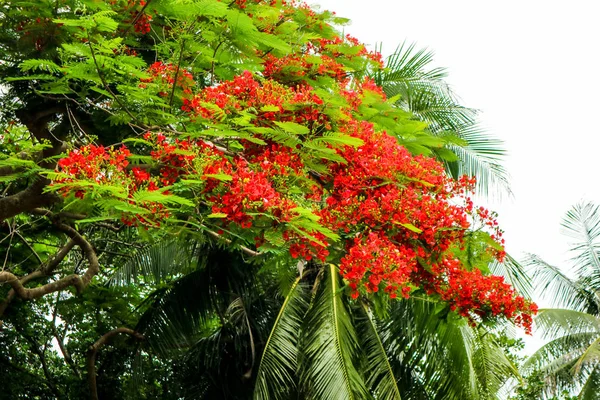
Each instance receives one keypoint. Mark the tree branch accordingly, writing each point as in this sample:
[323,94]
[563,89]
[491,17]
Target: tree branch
[93,351]
[79,282]
[245,249]
[61,340]
[27,199]
[41,353]
[45,269]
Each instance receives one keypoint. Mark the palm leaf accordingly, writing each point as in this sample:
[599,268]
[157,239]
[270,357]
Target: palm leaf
[431,356]
[276,373]
[565,291]
[176,313]
[409,65]
[380,376]
[557,322]
[424,92]
[154,263]
[330,346]
[582,223]
[481,158]
[591,388]
[491,365]
[515,274]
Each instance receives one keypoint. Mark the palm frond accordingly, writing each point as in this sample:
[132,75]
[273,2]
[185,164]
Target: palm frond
[481,157]
[154,263]
[409,65]
[556,362]
[434,103]
[591,356]
[432,357]
[582,223]
[330,346]
[591,388]
[175,314]
[491,365]
[423,91]
[557,322]
[276,378]
[380,376]
[565,291]
[515,274]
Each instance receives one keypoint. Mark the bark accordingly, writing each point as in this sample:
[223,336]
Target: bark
[93,352]
[27,199]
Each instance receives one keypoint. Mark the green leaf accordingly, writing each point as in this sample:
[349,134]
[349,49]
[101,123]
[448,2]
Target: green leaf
[293,127]
[410,227]
[269,108]
[220,177]
[379,374]
[161,198]
[217,215]
[39,65]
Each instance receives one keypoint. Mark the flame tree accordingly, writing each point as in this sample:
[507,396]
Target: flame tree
[252,133]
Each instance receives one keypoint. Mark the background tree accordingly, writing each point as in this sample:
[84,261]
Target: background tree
[569,362]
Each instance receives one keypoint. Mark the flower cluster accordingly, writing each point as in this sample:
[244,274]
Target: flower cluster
[472,293]
[270,100]
[167,75]
[378,262]
[91,166]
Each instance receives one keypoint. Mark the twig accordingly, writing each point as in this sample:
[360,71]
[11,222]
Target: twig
[176,74]
[61,342]
[103,80]
[245,249]
[29,246]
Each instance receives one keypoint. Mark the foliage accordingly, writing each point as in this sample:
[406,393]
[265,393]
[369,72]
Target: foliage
[303,200]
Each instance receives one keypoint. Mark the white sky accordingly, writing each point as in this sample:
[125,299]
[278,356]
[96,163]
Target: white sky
[531,67]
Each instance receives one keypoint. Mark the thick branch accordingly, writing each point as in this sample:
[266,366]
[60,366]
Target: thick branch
[79,282]
[27,199]
[93,351]
[45,269]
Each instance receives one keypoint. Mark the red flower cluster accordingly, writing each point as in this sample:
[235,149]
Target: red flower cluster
[471,293]
[93,165]
[166,74]
[240,192]
[378,262]
[270,100]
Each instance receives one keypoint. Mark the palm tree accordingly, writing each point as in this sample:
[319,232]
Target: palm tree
[570,360]
[238,328]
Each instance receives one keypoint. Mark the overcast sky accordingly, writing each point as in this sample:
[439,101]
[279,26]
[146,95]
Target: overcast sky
[532,68]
